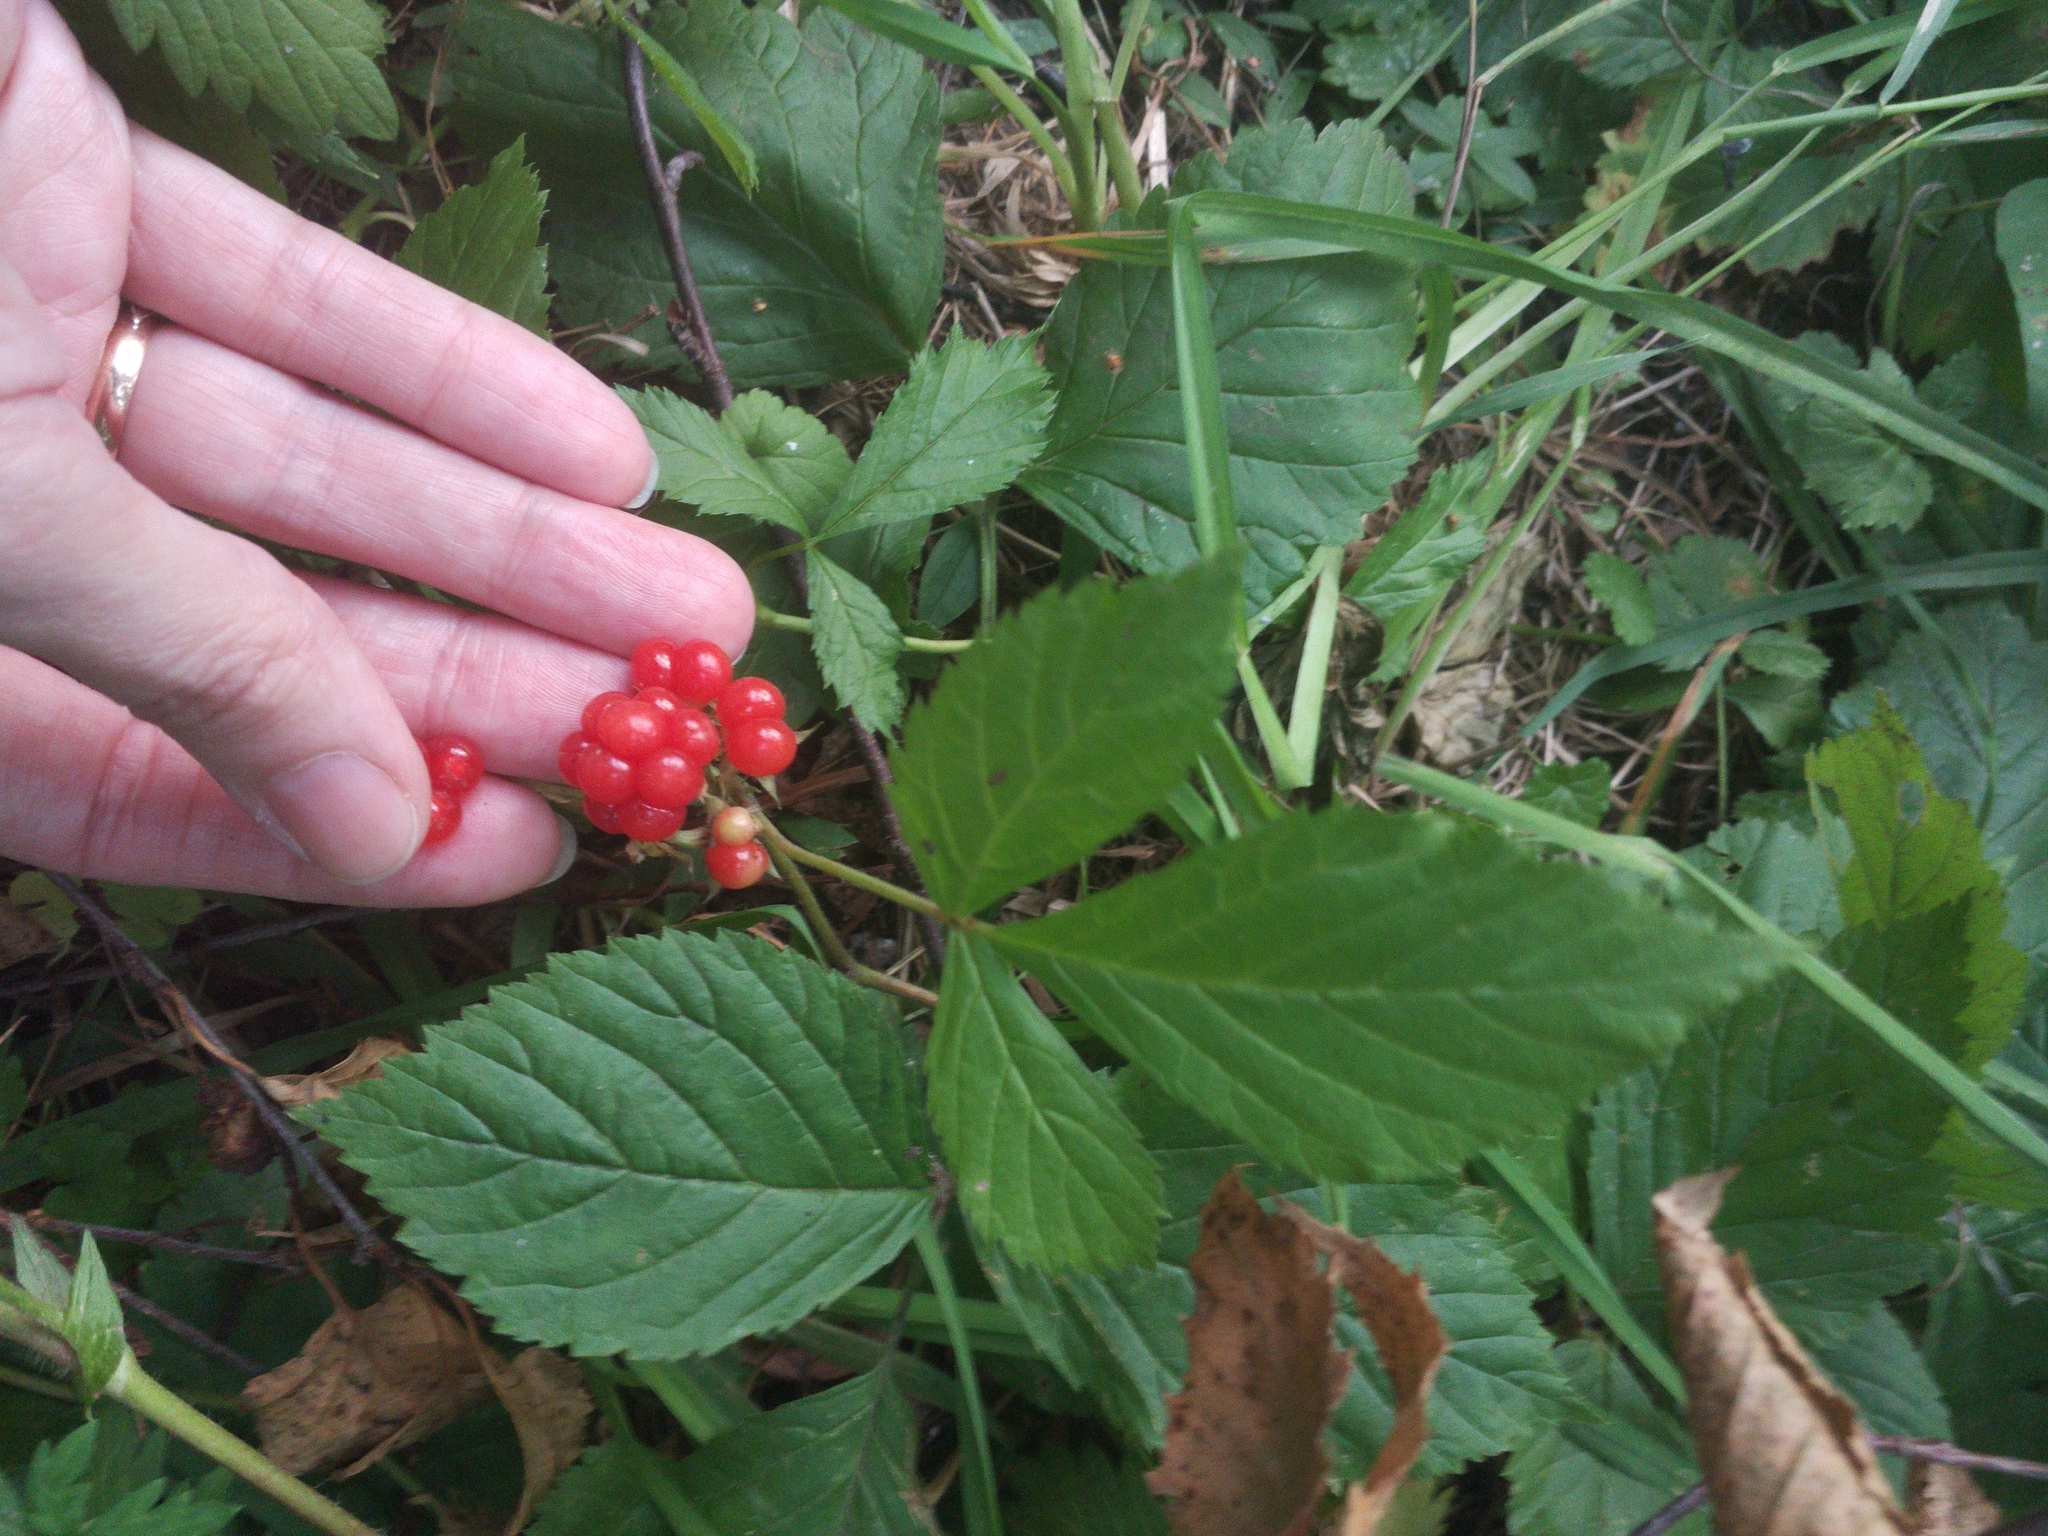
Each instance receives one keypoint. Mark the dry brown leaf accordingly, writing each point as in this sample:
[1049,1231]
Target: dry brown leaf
[1945,1501]
[21,936]
[365,1384]
[293,1089]
[1244,1453]
[1783,1451]
[543,1392]
[1395,1308]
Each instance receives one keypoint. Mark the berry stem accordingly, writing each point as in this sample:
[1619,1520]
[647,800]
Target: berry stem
[769,618]
[780,845]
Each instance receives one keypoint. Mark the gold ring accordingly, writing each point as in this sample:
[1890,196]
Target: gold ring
[120,366]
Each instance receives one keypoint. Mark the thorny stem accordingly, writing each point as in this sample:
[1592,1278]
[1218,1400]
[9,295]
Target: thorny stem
[691,328]
[885,781]
[134,961]
[821,925]
[779,844]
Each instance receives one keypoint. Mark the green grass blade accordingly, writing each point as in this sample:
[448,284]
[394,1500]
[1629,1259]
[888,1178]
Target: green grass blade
[1541,386]
[917,29]
[1201,393]
[1240,226]
[1996,568]
[1440,314]
[1934,20]
[738,155]
[977,1465]
[1877,36]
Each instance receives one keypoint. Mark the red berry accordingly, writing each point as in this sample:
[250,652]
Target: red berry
[444,815]
[736,865]
[668,780]
[733,825]
[654,663]
[574,745]
[700,669]
[648,823]
[596,707]
[631,728]
[604,776]
[749,698]
[760,747]
[602,816]
[454,763]
[694,734]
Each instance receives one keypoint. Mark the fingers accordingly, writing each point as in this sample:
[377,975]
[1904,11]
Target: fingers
[225,261]
[214,432]
[87,788]
[196,630]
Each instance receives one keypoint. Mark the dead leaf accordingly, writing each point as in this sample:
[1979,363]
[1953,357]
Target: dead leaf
[1244,1453]
[21,936]
[1463,711]
[1945,1501]
[1395,1308]
[293,1089]
[365,1384]
[1783,1451]
[237,1141]
[543,1392]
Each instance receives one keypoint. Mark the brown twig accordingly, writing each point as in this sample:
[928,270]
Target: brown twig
[885,781]
[1665,1518]
[687,322]
[131,959]
[198,1338]
[226,941]
[268,1258]
[1473,86]
[1681,721]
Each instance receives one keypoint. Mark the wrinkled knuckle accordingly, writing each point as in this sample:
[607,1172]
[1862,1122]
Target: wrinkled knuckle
[248,668]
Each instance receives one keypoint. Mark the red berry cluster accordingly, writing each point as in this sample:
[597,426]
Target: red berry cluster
[455,766]
[640,757]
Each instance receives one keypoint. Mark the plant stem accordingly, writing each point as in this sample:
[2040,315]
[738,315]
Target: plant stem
[988,568]
[1708,675]
[984,1518]
[1033,124]
[798,625]
[1305,714]
[660,1488]
[1077,53]
[687,322]
[701,1418]
[860,878]
[168,1411]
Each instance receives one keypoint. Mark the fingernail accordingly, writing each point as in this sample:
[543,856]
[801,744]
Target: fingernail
[567,856]
[346,815]
[646,491]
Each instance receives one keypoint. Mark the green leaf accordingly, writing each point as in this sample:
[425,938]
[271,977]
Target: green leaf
[1415,562]
[1987,1341]
[1780,868]
[312,62]
[1619,588]
[44,905]
[1074,717]
[909,24]
[1873,1359]
[656,1148]
[856,642]
[2023,248]
[152,914]
[103,1479]
[1058,1491]
[968,418]
[484,242]
[1865,475]
[1311,357]
[1604,1473]
[1376,996]
[830,270]
[1777,654]
[1047,1165]
[1576,791]
[1995,762]
[600,1493]
[832,1464]
[761,459]
[738,157]
[36,1269]
[951,581]
[92,1320]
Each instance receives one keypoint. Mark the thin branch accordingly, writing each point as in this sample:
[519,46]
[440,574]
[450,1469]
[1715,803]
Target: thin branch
[133,961]
[885,781]
[687,322]
[1473,87]
[198,1338]
[267,1258]
[1956,1456]
[1665,1518]
[226,941]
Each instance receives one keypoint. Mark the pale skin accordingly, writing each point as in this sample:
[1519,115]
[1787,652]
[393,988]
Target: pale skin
[176,706]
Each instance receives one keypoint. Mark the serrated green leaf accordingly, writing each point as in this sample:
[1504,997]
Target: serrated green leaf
[856,642]
[1777,654]
[484,242]
[1619,588]
[1361,995]
[1702,574]
[92,1320]
[969,417]
[831,270]
[601,1493]
[1058,1491]
[1415,562]
[1073,717]
[312,62]
[1781,869]
[1987,1341]
[1873,1359]
[1867,477]
[761,459]
[1576,791]
[1606,1473]
[1312,359]
[36,1269]
[654,1149]
[950,583]
[832,1464]
[1996,763]
[1047,1165]
[102,1479]
[2023,249]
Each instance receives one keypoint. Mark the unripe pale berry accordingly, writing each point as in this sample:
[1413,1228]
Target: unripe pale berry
[760,748]
[736,865]
[733,825]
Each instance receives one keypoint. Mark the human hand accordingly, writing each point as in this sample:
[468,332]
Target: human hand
[177,706]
